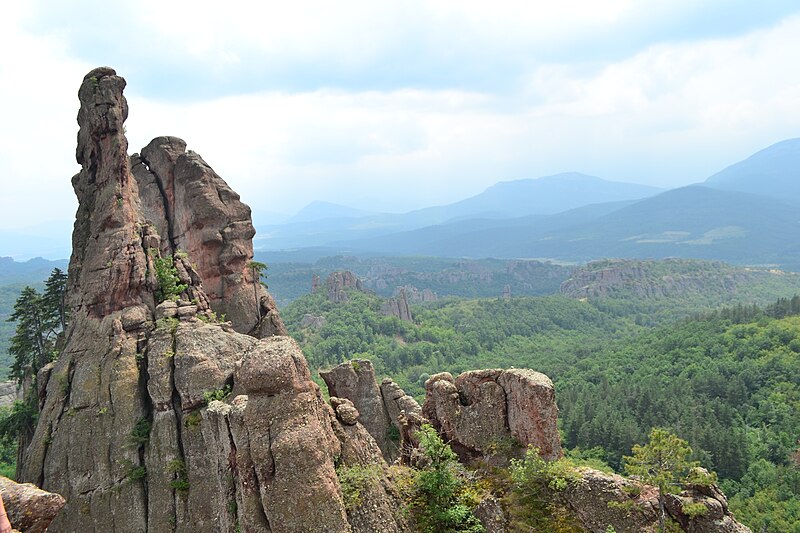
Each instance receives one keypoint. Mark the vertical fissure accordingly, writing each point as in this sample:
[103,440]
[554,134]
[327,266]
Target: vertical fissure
[168,214]
[177,408]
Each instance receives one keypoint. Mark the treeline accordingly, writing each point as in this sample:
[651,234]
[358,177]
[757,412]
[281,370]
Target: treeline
[727,381]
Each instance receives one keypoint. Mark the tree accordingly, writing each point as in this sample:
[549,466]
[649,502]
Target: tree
[438,488]
[54,298]
[662,462]
[32,343]
[259,270]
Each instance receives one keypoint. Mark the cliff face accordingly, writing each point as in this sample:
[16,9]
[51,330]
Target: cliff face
[130,430]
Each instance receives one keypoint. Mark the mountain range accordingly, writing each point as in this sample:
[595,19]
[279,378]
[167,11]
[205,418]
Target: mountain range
[748,213]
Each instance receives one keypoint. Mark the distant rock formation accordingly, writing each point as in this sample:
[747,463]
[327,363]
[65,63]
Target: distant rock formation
[485,411]
[397,307]
[507,292]
[653,279]
[415,295]
[339,282]
[29,508]
[312,321]
[315,283]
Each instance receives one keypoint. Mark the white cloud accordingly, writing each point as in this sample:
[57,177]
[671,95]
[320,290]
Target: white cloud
[668,114]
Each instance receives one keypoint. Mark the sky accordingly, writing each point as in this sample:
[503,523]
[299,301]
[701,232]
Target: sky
[395,105]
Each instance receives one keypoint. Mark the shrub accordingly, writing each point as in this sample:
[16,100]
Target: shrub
[169,285]
[140,433]
[216,394]
[354,480]
[439,507]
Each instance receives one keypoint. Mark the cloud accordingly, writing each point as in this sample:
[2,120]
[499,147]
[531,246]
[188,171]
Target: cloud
[400,104]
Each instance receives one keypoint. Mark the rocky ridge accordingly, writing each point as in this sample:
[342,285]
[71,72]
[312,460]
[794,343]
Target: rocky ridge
[653,279]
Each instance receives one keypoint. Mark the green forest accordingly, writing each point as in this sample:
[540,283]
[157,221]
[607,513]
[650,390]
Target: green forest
[724,378]
[727,381]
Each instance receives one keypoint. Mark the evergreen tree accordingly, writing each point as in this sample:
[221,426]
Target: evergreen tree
[54,299]
[662,462]
[32,343]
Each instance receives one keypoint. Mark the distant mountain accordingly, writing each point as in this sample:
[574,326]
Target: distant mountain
[31,272]
[773,171]
[49,240]
[504,200]
[320,210]
[692,221]
[541,196]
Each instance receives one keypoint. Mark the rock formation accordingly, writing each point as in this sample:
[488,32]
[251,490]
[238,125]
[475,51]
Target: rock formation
[314,322]
[380,408]
[653,279]
[29,508]
[197,214]
[415,295]
[397,307]
[339,282]
[131,431]
[485,412]
[9,392]
[600,500]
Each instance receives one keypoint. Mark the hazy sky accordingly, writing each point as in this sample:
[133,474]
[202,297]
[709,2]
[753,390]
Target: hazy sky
[400,104]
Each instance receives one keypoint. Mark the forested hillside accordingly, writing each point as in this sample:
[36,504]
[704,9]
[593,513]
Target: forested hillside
[727,381]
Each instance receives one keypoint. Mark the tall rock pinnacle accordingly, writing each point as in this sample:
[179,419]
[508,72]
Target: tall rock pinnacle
[130,430]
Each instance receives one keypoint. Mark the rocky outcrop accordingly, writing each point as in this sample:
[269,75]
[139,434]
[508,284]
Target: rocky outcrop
[197,214]
[29,508]
[355,381]
[715,519]
[415,295]
[653,279]
[600,500]
[488,412]
[397,307]
[381,408]
[314,322]
[338,283]
[131,430]
[396,401]
[378,505]
[9,392]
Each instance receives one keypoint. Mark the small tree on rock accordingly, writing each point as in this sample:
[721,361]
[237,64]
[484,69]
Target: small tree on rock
[662,462]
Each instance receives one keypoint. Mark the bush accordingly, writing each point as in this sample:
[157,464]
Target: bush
[355,479]
[169,285]
[439,506]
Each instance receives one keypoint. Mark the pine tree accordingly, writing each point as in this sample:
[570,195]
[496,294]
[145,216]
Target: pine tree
[662,462]
[54,299]
[32,343]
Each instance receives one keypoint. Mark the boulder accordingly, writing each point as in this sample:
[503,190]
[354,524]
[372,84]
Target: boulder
[486,412]
[29,508]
